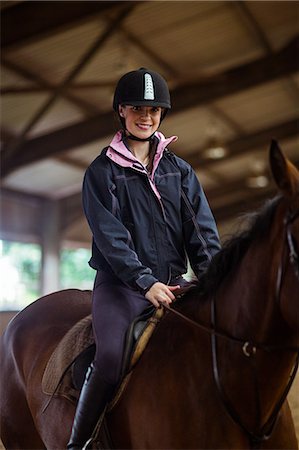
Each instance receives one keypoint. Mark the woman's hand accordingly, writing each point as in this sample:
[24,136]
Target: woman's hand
[161,293]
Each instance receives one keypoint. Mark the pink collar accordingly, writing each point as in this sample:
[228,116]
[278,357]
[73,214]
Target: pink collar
[120,154]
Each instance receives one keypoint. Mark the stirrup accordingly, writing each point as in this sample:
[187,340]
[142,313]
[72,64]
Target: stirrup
[87,444]
[95,433]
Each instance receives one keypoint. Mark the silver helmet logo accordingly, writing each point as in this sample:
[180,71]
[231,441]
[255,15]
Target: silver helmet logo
[149,93]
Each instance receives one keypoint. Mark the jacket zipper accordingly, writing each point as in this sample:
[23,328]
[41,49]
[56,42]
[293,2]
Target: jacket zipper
[155,233]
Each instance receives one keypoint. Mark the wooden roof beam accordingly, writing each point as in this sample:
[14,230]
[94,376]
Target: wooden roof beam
[280,64]
[240,184]
[59,90]
[43,86]
[246,143]
[252,25]
[271,67]
[249,200]
[31,21]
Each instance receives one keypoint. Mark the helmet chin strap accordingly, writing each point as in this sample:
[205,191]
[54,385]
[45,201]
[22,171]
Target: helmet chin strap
[131,136]
[135,138]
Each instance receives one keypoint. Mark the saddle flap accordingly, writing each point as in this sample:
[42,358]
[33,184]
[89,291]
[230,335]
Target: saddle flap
[65,372]
[77,339]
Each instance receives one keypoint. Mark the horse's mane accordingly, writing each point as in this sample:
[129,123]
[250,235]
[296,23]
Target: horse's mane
[233,250]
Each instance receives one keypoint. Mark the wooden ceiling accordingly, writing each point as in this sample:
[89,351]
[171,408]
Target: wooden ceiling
[232,68]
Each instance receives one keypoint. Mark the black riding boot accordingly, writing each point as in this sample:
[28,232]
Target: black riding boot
[95,395]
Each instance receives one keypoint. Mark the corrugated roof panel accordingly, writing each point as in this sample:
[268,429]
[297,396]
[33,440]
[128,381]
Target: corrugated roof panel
[151,17]
[260,107]
[195,127]
[243,165]
[54,57]
[196,39]
[11,79]
[116,57]
[16,111]
[218,40]
[48,177]
[87,153]
[279,20]
[61,114]
[100,97]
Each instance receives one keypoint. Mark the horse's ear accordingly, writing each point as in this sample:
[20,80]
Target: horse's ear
[284,172]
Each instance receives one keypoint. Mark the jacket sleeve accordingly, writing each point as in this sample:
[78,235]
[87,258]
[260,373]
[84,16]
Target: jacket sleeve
[110,236]
[200,230]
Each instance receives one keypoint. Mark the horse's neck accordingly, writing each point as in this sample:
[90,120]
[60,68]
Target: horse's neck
[246,300]
[246,308]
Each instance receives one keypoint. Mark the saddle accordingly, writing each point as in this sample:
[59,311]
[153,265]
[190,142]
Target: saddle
[65,372]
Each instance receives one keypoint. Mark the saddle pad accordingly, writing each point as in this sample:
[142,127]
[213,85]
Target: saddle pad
[77,339]
[57,378]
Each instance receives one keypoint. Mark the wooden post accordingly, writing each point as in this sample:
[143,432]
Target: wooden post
[51,237]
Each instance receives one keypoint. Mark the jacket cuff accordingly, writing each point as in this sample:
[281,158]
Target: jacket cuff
[145,282]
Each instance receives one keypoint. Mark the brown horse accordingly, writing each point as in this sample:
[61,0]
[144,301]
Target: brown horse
[218,367]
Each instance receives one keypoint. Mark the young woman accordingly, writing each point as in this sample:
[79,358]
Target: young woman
[147,213]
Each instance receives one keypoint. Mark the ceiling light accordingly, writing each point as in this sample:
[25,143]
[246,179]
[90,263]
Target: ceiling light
[257,182]
[215,152]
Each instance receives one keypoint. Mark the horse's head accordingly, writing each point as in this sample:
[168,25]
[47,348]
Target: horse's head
[286,177]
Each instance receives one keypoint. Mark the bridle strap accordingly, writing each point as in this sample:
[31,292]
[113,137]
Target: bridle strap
[247,346]
[265,431]
[293,254]
[249,349]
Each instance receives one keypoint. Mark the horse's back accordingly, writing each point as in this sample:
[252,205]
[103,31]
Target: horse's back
[64,306]
[26,346]
[37,329]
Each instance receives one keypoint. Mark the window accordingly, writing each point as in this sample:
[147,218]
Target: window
[74,269]
[20,266]
[20,269]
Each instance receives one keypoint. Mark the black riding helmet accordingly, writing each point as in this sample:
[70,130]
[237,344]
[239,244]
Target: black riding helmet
[142,87]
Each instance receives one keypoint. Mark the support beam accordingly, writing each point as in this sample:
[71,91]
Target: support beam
[73,204]
[138,43]
[250,22]
[280,64]
[59,141]
[247,143]
[263,70]
[43,86]
[50,247]
[247,200]
[59,90]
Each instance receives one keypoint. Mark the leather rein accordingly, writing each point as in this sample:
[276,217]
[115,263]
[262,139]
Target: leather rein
[250,348]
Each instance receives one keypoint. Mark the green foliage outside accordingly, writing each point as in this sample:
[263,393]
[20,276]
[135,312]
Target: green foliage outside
[20,268]
[20,274]
[74,269]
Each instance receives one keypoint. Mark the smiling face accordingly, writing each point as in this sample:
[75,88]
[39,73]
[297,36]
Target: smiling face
[141,121]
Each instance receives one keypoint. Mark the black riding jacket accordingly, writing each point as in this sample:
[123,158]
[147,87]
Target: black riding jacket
[145,225]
